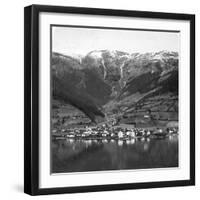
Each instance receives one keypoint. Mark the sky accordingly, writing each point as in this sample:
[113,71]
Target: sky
[73,40]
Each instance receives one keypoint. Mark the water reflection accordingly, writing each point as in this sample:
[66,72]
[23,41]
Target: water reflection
[120,142]
[72,155]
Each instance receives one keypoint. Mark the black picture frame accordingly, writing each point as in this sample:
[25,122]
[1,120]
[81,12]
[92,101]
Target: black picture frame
[31,98]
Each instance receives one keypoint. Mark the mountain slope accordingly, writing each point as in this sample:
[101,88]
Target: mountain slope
[68,85]
[104,81]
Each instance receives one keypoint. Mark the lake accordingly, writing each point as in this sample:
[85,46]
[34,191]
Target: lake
[72,155]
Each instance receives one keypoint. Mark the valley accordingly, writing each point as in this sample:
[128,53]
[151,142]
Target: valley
[139,89]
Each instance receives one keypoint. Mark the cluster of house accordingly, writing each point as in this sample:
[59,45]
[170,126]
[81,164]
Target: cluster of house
[113,132]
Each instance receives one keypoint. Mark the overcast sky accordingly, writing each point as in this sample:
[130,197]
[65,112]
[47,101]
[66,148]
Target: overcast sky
[68,40]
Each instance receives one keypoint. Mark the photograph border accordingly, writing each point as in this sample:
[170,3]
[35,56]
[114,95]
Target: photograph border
[32,108]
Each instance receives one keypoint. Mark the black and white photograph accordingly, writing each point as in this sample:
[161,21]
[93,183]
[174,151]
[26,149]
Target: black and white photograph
[114,99]
[109,99]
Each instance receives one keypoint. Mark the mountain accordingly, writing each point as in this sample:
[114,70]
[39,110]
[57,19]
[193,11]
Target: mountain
[104,81]
[69,85]
[109,65]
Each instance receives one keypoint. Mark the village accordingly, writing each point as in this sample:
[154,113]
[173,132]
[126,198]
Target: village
[114,131]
